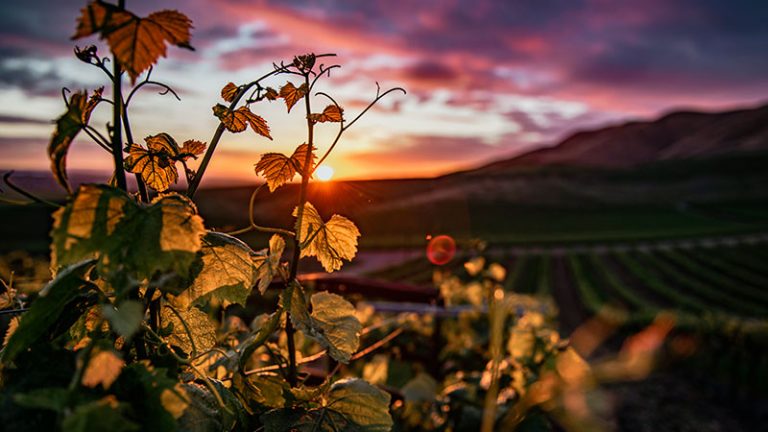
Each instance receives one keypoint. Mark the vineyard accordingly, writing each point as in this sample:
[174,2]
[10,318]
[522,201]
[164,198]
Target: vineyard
[627,292]
[718,293]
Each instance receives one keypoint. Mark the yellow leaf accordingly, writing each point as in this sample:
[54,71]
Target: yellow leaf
[331,113]
[224,271]
[237,120]
[267,262]
[156,163]
[103,369]
[229,92]
[175,400]
[278,169]
[191,149]
[192,329]
[136,42]
[331,242]
[67,127]
[291,94]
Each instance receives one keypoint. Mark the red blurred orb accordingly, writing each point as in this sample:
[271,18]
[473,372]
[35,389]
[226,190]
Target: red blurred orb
[441,249]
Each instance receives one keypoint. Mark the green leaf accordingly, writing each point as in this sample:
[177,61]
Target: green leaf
[224,270]
[126,318]
[332,323]
[362,403]
[54,399]
[331,242]
[267,262]
[193,331]
[248,346]
[68,126]
[47,309]
[107,224]
[350,405]
[262,390]
[103,415]
[148,390]
[204,413]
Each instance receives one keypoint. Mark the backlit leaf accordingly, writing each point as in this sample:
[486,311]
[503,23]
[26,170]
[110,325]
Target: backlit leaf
[191,149]
[350,405]
[102,369]
[332,323]
[106,223]
[192,331]
[331,242]
[271,94]
[67,127]
[331,113]
[136,42]
[362,403]
[224,271]
[156,163]
[279,169]
[229,92]
[237,120]
[46,310]
[291,94]
[267,262]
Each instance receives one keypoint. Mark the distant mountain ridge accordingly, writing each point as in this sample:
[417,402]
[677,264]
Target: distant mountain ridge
[678,135]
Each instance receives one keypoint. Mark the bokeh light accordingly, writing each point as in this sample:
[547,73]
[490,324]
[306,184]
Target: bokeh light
[441,249]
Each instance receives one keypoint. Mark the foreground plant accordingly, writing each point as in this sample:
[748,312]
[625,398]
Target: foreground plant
[122,337]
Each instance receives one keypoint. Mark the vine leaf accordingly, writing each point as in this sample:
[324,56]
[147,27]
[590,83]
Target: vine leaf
[136,42]
[267,262]
[46,310]
[350,405]
[67,127]
[362,403]
[103,369]
[331,242]
[278,169]
[126,318]
[107,224]
[291,94]
[271,94]
[332,323]
[229,92]
[201,336]
[106,413]
[191,149]
[236,121]
[331,113]
[223,271]
[157,163]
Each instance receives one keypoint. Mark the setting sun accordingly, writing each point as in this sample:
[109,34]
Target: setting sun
[324,172]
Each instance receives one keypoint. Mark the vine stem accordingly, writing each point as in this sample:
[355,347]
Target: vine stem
[117,130]
[289,330]
[192,188]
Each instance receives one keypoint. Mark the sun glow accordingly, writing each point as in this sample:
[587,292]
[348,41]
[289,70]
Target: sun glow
[324,173]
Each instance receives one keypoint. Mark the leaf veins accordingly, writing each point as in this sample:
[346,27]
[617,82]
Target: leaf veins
[136,42]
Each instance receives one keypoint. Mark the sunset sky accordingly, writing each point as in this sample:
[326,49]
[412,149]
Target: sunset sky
[485,79]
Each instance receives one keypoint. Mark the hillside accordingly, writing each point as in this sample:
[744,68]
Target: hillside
[679,135]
